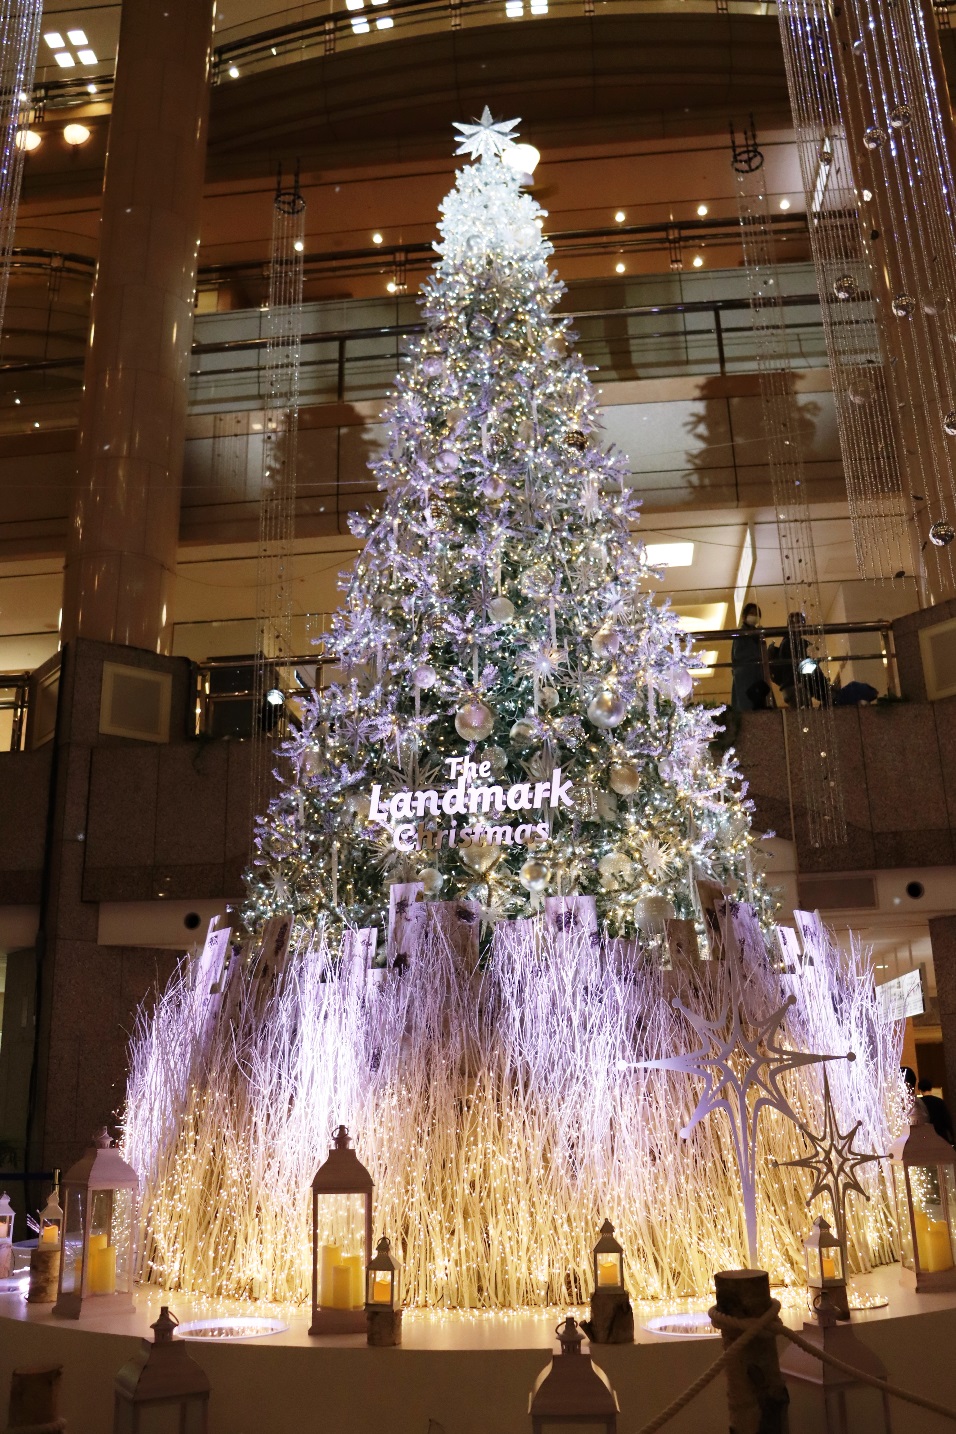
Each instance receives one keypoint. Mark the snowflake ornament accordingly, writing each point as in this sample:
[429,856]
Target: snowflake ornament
[486,136]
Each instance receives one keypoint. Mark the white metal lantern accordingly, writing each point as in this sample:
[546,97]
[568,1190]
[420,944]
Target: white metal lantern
[161,1390]
[572,1390]
[6,1237]
[99,1220]
[826,1266]
[383,1288]
[341,1240]
[608,1262]
[51,1223]
[924,1183]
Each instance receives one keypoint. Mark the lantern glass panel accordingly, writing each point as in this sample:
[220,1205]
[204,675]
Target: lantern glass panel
[6,1227]
[610,1270]
[931,1193]
[832,1262]
[814,1271]
[381,1287]
[902,1214]
[74,1218]
[111,1216]
[169,1416]
[340,1251]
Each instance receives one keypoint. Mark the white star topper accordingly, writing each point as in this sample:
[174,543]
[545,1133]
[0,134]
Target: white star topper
[486,136]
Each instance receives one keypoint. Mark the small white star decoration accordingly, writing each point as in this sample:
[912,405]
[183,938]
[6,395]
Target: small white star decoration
[486,136]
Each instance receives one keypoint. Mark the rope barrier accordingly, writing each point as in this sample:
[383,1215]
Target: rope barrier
[770,1323]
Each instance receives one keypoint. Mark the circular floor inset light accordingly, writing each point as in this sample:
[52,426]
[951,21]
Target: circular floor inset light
[274,697]
[693,1325]
[702,210]
[76,134]
[28,140]
[230,1327]
[698,261]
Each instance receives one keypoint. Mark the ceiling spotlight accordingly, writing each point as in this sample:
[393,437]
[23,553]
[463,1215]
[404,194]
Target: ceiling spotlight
[28,140]
[808,665]
[620,217]
[376,238]
[274,697]
[698,261]
[619,268]
[391,286]
[298,246]
[91,89]
[233,72]
[522,158]
[87,57]
[785,203]
[77,37]
[55,40]
[16,400]
[65,60]
[702,210]
[76,134]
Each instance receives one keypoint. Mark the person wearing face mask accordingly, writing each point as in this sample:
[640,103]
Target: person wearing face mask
[748,660]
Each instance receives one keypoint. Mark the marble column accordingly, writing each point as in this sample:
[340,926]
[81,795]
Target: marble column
[121,554]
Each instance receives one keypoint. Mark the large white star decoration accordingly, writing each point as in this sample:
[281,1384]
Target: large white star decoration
[834,1163]
[486,136]
[734,1065]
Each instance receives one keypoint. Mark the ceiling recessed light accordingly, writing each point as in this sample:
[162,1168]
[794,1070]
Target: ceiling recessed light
[360,26]
[620,217]
[670,555]
[77,37]
[376,238]
[619,268]
[391,286]
[298,246]
[702,210]
[28,140]
[233,72]
[16,400]
[36,425]
[698,261]
[55,40]
[385,23]
[87,57]
[76,134]
[91,89]
[65,60]
[785,203]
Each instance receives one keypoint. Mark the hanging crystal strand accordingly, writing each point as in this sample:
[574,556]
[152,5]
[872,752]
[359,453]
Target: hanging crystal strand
[823,796]
[840,240]
[274,591]
[19,36]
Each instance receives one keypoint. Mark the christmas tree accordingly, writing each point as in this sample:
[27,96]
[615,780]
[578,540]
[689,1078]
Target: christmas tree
[515,714]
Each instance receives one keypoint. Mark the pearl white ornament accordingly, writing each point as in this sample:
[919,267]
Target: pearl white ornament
[432,881]
[447,460]
[432,365]
[494,486]
[425,676]
[679,682]
[606,642]
[548,698]
[501,609]
[474,720]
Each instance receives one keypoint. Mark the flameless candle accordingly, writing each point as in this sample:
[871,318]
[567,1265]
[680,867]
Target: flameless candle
[341,1287]
[829,1268]
[607,1270]
[331,1256]
[50,1235]
[381,1287]
[354,1265]
[103,1270]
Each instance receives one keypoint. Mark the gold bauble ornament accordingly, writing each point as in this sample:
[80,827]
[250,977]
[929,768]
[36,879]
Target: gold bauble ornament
[480,856]
[549,698]
[650,912]
[607,708]
[474,720]
[501,609]
[625,778]
[432,881]
[534,876]
[523,733]
[574,438]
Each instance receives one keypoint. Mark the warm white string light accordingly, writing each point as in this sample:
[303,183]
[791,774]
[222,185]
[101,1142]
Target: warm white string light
[19,37]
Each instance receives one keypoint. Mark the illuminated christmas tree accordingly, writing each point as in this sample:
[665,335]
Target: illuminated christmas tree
[515,717]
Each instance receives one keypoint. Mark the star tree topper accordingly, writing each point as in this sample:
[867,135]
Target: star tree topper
[486,136]
[740,1055]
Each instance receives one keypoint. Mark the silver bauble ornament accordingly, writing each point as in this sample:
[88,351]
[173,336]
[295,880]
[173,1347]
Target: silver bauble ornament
[845,287]
[903,306]
[941,534]
[873,137]
[901,116]
[861,392]
[670,770]
[501,609]
[432,365]
[548,698]
[474,720]
[432,881]
[534,876]
[679,683]
[650,912]
[425,676]
[494,486]
[480,856]
[606,642]
[447,460]
[523,733]
[625,778]
[934,305]
[607,708]
[949,423]
[535,581]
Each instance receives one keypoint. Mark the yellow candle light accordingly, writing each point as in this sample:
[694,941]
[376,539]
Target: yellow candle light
[97,1242]
[341,1287]
[607,1270]
[103,1271]
[50,1235]
[331,1256]
[355,1265]
[381,1287]
[829,1267]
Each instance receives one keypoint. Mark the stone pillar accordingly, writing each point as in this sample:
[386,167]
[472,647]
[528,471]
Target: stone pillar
[121,555]
[942,935]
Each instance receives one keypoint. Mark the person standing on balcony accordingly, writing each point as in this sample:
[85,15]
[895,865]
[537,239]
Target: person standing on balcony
[748,659]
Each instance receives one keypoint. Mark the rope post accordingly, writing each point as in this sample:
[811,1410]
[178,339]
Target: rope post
[757,1397]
